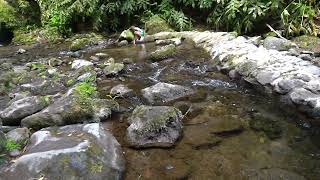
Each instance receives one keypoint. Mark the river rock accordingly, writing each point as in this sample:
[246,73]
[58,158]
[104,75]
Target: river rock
[162,53]
[22,108]
[80,63]
[71,108]
[121,91]
[158,126]
[19,136]
[113,68]
[123,43]
[164,92]
[43,87]
[175,41]
[276,43]
[70,152]
[21,51]
[306,57]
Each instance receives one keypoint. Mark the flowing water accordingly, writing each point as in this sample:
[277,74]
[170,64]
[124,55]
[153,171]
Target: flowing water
[231,131]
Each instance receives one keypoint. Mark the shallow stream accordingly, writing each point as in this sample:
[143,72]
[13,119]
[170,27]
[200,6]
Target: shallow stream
[231,131]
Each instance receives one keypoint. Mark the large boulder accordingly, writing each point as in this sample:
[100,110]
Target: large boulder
[156,24]
[22,108]
[158,126]
[71,108]
[71,152]
[164,92]
[162,53]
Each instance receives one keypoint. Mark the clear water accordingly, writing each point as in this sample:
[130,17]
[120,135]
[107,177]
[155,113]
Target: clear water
[231,131]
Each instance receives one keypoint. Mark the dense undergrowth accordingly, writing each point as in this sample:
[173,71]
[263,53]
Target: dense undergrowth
[295,17]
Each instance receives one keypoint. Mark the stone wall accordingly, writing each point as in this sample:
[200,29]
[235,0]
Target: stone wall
[280,72]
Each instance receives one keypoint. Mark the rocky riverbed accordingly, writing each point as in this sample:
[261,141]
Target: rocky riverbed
[163,110]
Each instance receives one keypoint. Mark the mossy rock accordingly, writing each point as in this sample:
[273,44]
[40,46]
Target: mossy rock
[156,24]
[163,53]
[80,41]
[308,42]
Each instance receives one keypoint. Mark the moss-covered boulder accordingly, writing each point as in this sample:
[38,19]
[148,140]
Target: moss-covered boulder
[71,152]
[311,43]
[113,68]
[154,126]
[78,105]
[156,24]
[79,42]
[162,53]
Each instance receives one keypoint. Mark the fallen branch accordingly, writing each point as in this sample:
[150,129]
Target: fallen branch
[278,34]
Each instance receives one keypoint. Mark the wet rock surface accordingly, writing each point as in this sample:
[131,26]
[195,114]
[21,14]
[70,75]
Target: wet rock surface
[158,126]
[70,152]
[22,108]
[260,66]
[164,92]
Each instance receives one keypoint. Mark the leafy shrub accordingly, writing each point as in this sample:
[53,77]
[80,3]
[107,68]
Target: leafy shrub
[242,16]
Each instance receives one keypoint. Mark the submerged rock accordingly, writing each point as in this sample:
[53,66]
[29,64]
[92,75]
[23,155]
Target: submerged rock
[22,108]
[162,53]
[271,127]
[164,92]
[158,126]
[71,152]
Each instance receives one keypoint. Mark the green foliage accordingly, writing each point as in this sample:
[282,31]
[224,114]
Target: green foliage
[298,17]
[10,145]
[85,89]
[7,14]
[243,16]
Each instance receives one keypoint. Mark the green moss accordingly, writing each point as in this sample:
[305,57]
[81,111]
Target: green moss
[96,168]
[10,145]
[156,24]
[23,37]
[163,53]
[85,89]
[157,123]
[80,41]
[45,100]
[307,42]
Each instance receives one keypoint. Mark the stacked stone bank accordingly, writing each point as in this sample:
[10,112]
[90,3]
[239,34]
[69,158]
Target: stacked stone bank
[295,79]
